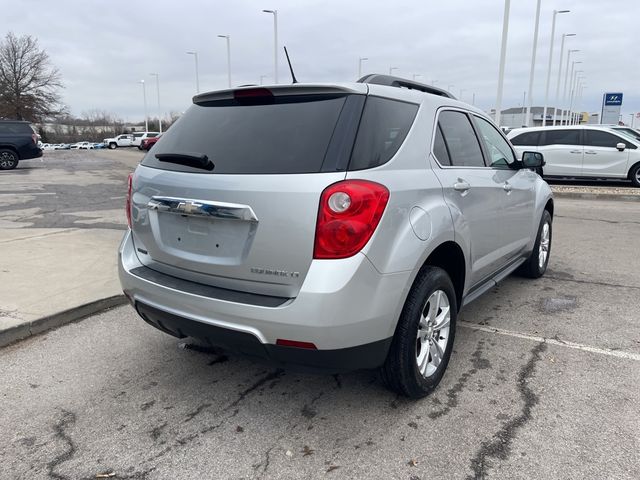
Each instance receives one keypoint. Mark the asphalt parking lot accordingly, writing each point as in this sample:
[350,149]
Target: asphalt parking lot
[544,381]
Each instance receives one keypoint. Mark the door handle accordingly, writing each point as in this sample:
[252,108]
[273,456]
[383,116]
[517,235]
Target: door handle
[591,153]
[461,186]
[507,187]
[575,151]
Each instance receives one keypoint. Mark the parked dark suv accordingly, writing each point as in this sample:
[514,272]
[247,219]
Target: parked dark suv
[18,141]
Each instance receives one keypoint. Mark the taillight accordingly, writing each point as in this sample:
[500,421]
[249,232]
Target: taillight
[348,215]
[34,137]
[128,204]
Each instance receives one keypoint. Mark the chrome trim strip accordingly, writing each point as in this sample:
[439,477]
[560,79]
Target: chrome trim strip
[203,208]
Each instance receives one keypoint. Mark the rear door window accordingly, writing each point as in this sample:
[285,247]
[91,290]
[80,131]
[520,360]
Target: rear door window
[384,126]
[440,148]
[561,137]
[529,139]
[290,135]
[460,139]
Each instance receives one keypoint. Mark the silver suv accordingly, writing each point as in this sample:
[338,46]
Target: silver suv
[331,227]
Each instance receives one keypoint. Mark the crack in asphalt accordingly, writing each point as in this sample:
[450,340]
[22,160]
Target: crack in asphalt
[615,222]
[60,428]
[479,363]
[500,446]
[590,282]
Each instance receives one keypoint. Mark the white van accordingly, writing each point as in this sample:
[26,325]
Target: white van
[582,151]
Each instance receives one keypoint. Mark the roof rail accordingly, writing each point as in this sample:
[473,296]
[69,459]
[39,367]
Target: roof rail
[391,81]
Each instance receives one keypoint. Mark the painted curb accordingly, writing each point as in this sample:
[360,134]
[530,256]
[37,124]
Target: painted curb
[597,196]
[40,325]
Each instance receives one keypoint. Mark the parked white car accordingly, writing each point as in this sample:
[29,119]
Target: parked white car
[582,151]
[138,137]
[85,146]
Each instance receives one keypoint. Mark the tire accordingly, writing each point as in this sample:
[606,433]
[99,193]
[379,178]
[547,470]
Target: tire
[535,265]
[112,146]
[415,337]
[634,175]
[8,159]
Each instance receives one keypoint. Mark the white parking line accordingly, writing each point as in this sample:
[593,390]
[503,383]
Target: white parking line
[552,341]
[30,194]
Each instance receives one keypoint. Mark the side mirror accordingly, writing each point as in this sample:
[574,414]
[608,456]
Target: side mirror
[621,146]
[532,160]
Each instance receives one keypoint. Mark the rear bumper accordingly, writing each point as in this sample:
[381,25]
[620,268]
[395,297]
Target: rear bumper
[326,361]
[29,153]
[346,308]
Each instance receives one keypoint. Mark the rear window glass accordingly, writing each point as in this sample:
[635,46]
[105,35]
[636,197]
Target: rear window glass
[13,128]
[530,139]
[289,136]
[384,126]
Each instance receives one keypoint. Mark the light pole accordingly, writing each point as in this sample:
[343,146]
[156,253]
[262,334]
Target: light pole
[228,56]
[473,99]
[574,82]
[546,93]
[144,97]
[195,56]
[503,54]
[462,90]
[275,42]
[560,75]
[570,87]
[158,92]
[360,60]
[262,77]
[533,62]
[391,69]
[524,99]
[566,78]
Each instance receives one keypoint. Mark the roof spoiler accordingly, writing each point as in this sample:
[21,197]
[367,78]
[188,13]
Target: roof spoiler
[391,81]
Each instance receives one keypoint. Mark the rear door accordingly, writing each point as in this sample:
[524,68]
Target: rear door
[563,151]
[229,195]
[472,191]
[602,158]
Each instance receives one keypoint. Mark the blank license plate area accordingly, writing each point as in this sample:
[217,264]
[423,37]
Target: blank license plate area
[210,237]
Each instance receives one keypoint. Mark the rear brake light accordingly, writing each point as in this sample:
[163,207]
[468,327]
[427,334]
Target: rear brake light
[252,93]
[34,137]
[348,215]
[128,204]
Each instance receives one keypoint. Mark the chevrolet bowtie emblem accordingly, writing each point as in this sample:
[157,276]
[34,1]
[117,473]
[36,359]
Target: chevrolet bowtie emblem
[188,207]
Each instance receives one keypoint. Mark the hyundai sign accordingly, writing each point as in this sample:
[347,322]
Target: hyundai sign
[613,99]
[611,103]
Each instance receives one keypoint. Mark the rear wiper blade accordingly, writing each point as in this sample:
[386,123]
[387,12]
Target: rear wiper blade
[195,160]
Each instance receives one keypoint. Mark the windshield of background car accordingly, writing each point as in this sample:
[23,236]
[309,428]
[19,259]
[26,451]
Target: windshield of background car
[292,134]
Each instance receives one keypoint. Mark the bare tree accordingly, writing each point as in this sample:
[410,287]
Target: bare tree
[29,84]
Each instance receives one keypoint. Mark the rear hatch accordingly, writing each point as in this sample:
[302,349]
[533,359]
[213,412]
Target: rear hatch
[229,195]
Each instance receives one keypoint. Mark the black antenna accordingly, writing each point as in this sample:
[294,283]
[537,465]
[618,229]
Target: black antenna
[293,75]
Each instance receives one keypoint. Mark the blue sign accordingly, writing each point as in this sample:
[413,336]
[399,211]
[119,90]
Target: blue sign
[613,99]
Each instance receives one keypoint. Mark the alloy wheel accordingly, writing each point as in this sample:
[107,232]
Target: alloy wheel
[433,333]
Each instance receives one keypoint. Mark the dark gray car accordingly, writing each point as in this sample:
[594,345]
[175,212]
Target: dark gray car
[331,227]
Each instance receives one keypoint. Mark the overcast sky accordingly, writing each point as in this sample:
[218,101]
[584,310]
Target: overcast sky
[104,48]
